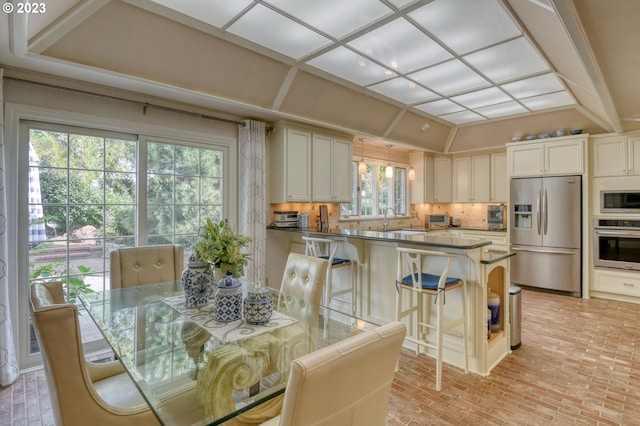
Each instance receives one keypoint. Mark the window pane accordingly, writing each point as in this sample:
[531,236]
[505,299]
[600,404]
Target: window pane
[159,158]
[385,191]
[368,192]
[120,155]
[86,152]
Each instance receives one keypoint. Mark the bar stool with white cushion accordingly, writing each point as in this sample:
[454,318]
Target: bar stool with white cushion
[329,249]
[413,280]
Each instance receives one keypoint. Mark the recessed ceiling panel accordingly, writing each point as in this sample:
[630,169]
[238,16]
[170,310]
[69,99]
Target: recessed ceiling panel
[466,25]
[214,12]
[352,67]
[449,78]
[501,110]
[443,106]
[336,18]
[404,90]
[508,61]
[533,86]
[280,34]
[550,100]
[481,98]
[463,117]
[401,46]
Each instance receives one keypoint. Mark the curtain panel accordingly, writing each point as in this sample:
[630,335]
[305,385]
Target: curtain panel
[8,362]
[252,181]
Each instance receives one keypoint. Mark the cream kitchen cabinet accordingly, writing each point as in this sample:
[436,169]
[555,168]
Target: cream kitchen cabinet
[498,239]
[290,165]
[330,169]
[471,179]
[442,187]
[616,282]
[422,186]
[499,179]
[616,156]
[537,158]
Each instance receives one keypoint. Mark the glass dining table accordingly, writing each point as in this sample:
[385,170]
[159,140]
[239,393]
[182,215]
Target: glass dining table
[193,370]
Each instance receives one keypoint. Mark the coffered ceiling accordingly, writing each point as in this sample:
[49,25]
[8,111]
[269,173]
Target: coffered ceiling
[441,75]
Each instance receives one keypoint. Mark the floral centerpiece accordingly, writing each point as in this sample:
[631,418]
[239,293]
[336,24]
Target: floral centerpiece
[222,247]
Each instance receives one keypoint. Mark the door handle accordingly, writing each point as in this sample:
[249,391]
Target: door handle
[538,210]
[555,251]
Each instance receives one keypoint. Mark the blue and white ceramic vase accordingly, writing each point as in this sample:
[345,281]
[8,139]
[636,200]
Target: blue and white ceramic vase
[258,306]
[227,302]
[197,281]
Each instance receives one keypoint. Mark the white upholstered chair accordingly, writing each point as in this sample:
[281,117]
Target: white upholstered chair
[81,392]
[134,266]
[346,384]
[416,284]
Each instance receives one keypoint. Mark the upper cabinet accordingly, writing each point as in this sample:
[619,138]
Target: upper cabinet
[555,157]
[422,186]
[330,169]
[290,166]
[308,165]
[471,179]
[616,156]
[442,187]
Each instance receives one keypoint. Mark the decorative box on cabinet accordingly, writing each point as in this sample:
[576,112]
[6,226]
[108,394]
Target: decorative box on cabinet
[556,157]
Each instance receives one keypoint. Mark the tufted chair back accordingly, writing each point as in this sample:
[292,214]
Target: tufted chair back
[303,278]
[81,392]
[146,265]
[347,383]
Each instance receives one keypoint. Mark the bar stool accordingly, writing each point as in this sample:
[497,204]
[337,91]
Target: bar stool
[412,280]
[327,248]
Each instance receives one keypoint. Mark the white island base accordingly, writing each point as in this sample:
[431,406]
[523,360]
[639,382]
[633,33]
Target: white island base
[480,267]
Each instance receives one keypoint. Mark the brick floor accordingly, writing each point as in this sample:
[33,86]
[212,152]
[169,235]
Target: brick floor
[577,366]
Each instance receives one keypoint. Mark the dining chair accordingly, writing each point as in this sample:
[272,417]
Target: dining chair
[141,265]
[81,392]
[303,277]
[413,280]
[347,383]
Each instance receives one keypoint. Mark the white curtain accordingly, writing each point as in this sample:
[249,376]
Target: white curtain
[8,362]
[252,182]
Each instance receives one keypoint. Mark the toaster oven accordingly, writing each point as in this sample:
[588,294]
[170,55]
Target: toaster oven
[438,220]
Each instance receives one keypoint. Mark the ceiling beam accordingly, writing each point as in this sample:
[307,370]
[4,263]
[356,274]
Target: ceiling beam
[64,24]
[570,20]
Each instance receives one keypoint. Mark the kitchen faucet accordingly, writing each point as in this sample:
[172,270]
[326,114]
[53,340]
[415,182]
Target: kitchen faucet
[385,221]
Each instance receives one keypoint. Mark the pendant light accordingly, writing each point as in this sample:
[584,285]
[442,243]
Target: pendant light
[412,173]
[362,166]
[388,172]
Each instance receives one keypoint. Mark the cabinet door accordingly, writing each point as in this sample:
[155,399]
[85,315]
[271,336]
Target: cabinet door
[462,171]
[321,168]
[633,156]
[526,160]
[564,158]
[610,157]
[442,180]
[499,180]
[480,179]
[341,171]
[298,161]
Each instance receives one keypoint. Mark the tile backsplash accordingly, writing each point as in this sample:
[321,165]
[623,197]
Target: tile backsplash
[471,215]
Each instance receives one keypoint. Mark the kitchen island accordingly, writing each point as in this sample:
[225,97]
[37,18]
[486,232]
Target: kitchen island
[481,267]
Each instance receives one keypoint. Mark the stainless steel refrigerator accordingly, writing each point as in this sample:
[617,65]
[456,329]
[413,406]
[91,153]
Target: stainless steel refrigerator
[545,233]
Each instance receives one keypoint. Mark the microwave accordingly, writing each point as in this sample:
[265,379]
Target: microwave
[438,220]
[496,216]
[620,201]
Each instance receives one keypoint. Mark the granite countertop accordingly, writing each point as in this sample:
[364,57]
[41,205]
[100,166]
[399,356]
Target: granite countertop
[411,236]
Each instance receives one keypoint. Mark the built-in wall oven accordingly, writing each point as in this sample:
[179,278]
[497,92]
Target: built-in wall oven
[616,243]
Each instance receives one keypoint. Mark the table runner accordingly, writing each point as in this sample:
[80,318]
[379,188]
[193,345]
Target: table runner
[225,331]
